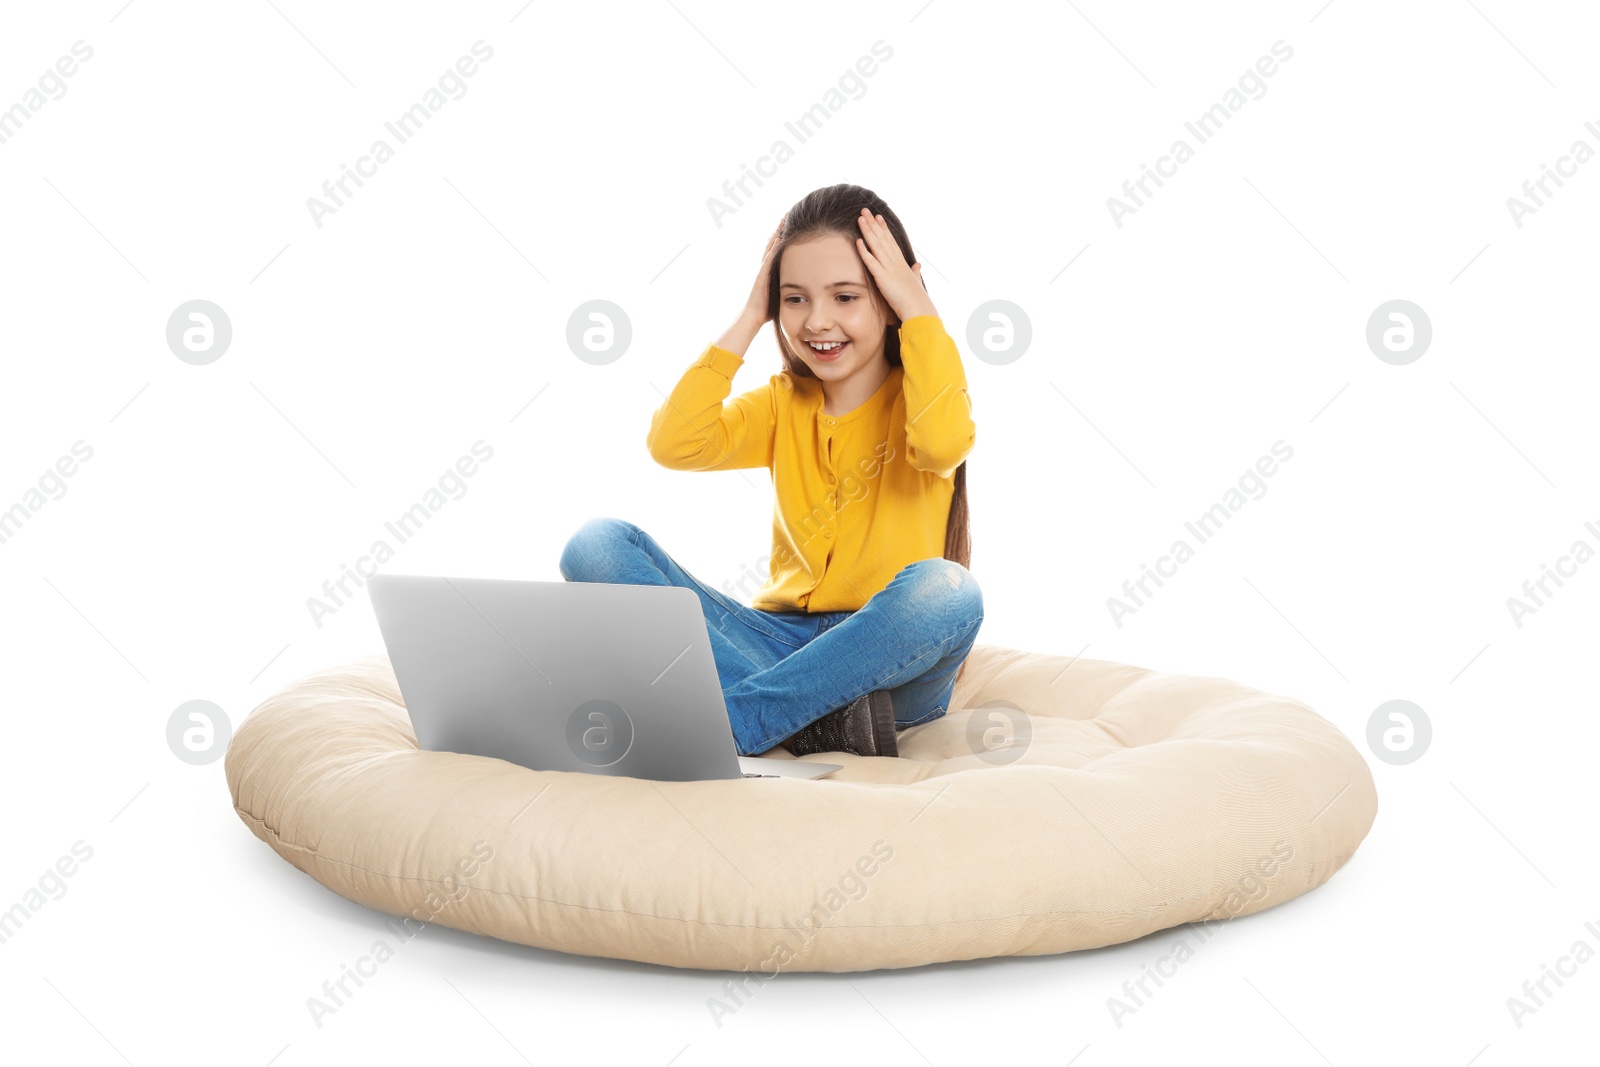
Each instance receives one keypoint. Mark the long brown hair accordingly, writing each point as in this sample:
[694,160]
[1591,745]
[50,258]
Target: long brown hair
[836,209]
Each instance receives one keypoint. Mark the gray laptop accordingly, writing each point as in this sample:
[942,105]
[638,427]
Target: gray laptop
[565,676]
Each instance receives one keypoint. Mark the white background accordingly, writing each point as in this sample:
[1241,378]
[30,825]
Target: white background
[430,312]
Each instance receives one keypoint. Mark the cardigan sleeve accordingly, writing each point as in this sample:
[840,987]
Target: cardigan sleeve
[694,430]
[939,428]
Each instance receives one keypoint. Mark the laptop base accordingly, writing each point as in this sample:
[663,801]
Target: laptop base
[757,767]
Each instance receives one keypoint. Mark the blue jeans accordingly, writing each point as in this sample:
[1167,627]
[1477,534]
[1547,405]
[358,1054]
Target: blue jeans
[783,670]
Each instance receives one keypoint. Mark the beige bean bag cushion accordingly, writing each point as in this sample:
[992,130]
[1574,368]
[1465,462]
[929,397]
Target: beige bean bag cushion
[1061,804]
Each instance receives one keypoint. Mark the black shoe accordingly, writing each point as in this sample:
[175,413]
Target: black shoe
[865,727]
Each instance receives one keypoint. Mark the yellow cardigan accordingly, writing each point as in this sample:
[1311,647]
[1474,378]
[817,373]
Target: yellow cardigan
[859,495]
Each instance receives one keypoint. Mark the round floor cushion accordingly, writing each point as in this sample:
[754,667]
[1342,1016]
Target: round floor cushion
[1061,804]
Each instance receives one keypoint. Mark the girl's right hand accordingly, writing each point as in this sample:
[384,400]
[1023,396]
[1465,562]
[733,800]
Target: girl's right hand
[756,308]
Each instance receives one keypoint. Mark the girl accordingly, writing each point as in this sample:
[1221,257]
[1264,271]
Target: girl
[869,610]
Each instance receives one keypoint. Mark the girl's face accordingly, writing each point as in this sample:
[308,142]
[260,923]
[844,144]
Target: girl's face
[825,296]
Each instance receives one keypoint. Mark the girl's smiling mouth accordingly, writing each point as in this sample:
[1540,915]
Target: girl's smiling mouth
[825,353]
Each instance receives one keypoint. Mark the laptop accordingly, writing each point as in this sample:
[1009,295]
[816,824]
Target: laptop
[592,677]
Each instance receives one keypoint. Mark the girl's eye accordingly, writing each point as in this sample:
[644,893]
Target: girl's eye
[847,296]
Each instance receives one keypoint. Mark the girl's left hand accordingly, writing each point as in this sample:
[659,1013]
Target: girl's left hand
[901,285]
